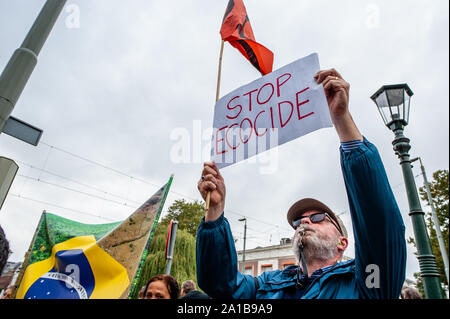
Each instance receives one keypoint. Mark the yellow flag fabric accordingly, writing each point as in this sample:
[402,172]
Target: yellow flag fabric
[93,273]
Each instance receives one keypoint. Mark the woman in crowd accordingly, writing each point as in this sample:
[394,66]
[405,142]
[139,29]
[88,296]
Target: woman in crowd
[162,287]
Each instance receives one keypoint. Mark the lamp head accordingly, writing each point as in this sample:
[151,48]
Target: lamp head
[393,102]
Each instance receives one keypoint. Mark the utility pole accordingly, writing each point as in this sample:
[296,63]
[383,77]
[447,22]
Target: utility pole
[435,218]
[427,261]
[14,79]
[245,239]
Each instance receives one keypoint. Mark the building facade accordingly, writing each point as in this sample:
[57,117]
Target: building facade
[260,259]
[269,258]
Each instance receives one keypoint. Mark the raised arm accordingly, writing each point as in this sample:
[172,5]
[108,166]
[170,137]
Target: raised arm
[216,258]
[379,231]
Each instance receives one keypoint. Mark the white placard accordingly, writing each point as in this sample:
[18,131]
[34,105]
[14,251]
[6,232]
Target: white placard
[275,109]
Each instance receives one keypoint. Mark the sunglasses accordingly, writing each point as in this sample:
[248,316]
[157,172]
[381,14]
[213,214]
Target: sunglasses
[316,218]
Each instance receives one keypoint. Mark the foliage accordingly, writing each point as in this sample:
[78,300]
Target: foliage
[439,189]
[183,265]
[187,214]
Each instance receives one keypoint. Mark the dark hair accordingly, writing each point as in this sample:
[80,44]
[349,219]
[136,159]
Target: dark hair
[188,286]
[171,284]
[4,249]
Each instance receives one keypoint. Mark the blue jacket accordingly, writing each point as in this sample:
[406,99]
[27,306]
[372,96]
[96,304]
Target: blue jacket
[379,235]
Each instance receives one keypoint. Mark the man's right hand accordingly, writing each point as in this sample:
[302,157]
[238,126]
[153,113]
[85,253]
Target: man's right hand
[213,182]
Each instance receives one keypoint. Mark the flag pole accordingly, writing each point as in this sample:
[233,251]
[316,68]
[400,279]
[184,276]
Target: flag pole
[219,73]
[18,282]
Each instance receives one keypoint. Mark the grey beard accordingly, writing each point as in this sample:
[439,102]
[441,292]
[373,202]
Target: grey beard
[314,247]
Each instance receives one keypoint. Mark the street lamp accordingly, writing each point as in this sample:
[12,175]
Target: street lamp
[393,102]
[245,238]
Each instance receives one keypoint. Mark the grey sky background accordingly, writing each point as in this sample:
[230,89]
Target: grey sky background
[117,87]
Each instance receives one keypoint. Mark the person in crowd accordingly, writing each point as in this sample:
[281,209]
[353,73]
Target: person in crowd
[320,239]
[410,293]
[189,291]
[7,294]
[4,249]
[142,292]
[162,287]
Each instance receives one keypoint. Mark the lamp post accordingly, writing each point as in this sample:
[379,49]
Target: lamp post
[245,238]
[435,218]
[15,76]
[393,102]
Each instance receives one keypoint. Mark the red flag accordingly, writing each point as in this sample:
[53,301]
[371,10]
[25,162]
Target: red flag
[236,29]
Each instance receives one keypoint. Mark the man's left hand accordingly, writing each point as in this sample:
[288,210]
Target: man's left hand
[337,93]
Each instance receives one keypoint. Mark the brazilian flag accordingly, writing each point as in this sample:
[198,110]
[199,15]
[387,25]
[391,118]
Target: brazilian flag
[71,260]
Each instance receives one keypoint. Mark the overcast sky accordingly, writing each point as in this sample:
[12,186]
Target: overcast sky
[117,81]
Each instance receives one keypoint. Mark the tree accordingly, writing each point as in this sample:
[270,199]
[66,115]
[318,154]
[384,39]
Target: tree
[183,265]
[183,268]
[187,214]
[439,189]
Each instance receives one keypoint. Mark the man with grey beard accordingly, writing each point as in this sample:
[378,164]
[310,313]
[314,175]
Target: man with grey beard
[317,246]
[320,238]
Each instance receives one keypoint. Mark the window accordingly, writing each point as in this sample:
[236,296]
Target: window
[267,267]
[248,270]
[285,265]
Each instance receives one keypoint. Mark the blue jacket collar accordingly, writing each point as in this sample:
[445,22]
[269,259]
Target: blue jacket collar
[278,280]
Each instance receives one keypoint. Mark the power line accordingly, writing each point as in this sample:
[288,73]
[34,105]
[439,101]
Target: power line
[86,213]
[148,183]
[43,170]
[59,206]
[257,220]
[74,190]
[249,239]
[46,159]
[403,183]
[87,194]
[341,213]
[52,147]
[77,182]
[89,186]
[101,165]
